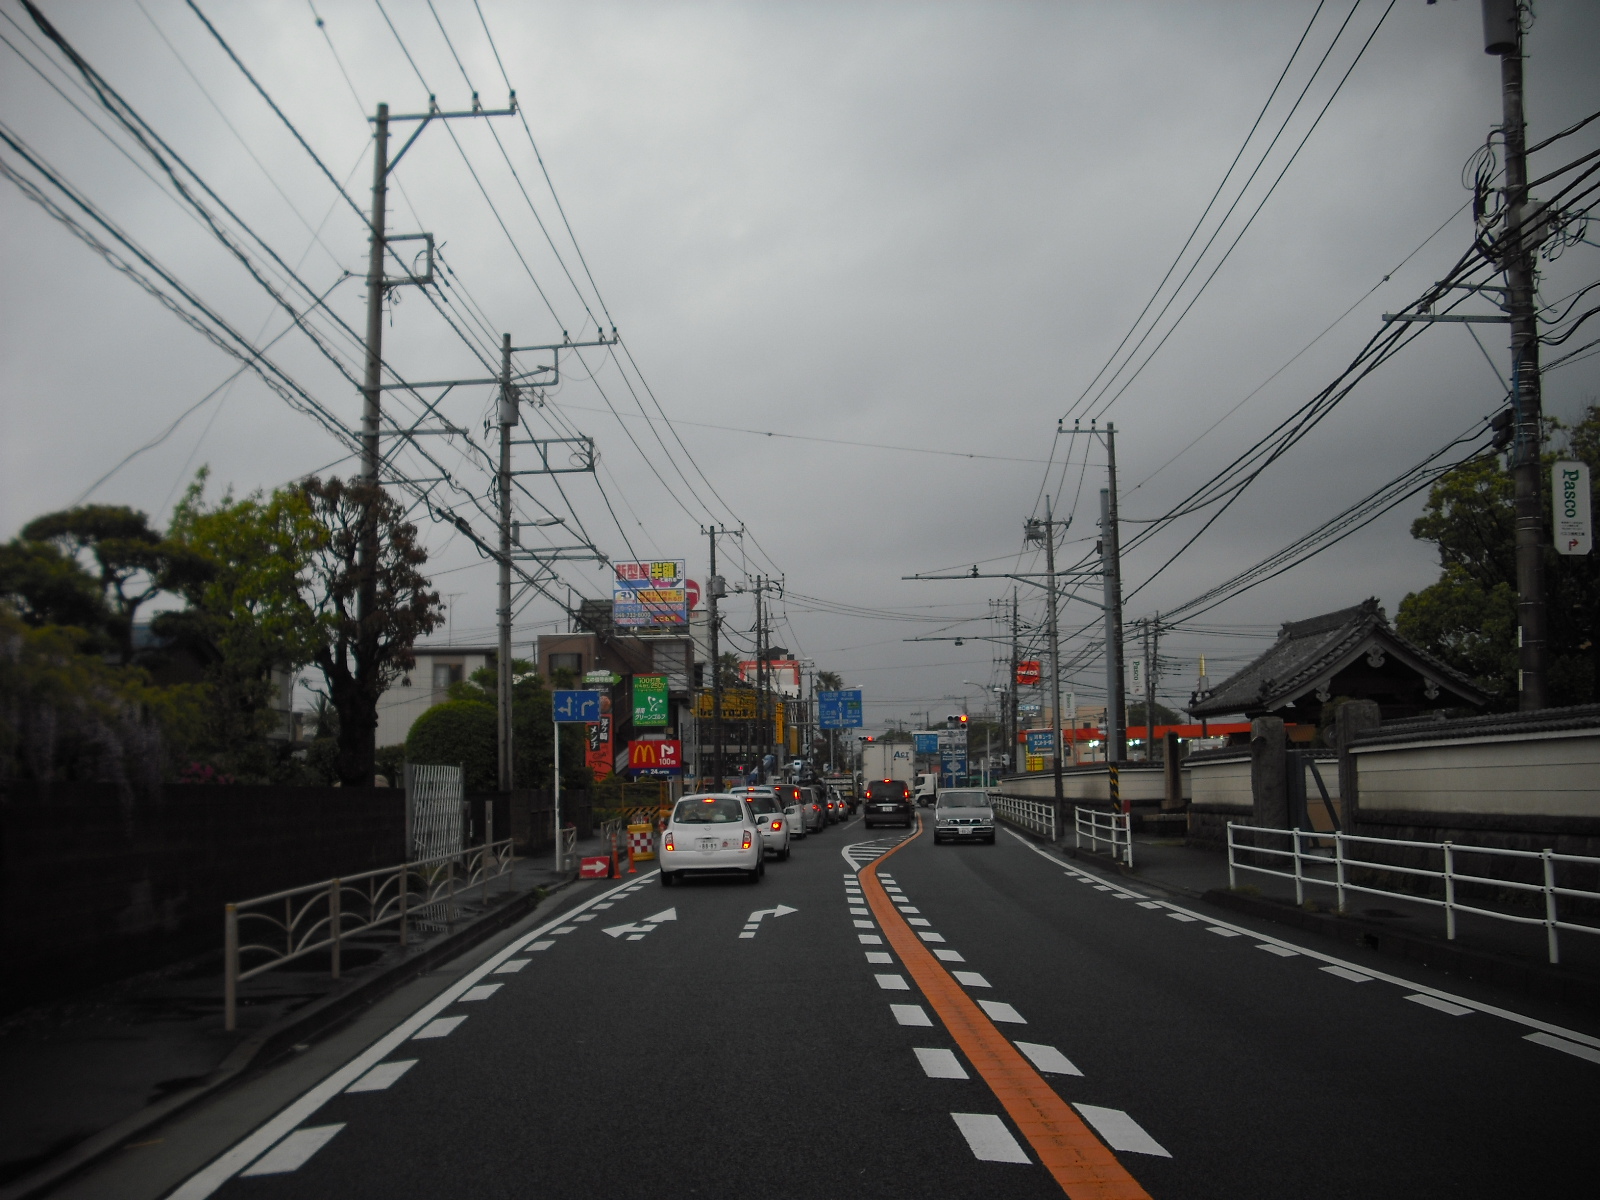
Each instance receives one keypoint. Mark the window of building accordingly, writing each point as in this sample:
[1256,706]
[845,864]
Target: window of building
[444,674]
[566,662]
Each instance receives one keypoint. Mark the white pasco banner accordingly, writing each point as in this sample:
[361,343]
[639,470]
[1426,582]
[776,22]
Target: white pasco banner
[1569,497]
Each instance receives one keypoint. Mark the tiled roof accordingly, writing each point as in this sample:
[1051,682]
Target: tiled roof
[1312,650]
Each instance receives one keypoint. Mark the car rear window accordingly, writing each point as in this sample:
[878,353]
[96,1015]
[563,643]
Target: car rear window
[963,799]
[764,804]
[888,789]
[709,810]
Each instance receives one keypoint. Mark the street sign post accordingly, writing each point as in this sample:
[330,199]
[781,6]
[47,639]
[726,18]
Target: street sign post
[839,710]
[649,699]
[568,708]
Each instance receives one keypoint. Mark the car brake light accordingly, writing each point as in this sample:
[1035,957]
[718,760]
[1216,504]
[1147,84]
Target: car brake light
[668,843]
[777,822]
[747,836]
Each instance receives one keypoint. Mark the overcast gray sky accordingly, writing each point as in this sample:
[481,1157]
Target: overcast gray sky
[889,225]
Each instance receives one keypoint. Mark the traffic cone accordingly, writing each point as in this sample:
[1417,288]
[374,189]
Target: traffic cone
[632,870]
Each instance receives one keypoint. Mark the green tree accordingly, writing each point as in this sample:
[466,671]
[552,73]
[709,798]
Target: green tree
[360,658]
[1468,618]
[47,586]
[458,731]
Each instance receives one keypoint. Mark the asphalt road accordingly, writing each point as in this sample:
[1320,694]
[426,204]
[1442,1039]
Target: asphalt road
[1079,1037]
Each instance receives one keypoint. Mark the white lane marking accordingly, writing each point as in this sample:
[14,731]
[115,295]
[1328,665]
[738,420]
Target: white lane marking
[869,939]
[1148,904]
[948,956]
[512,967]
[291,1153]
[885,876]
[1220,931]
[482,992]
[635,932]
[223,1168]
[910,1014]
[893,983]
[930,937]
[1566,1047]
[1347,973]
[1444,1006]
[544,944]
[863,924]
[586,917]
[998,1010]
[1280,951]
[1048,1059]
[940,1064]
[1410,985]
[1102,887]
[382,1076]
[1123,896]
[989,1138]
[918,921]
[666,914]
[742,935]
[970,978]
[859,912]
[906,908]
[879,958]
[635,937]
[1120,1131]
[607,904]
[443,1027]
[1182,917]
[565,929]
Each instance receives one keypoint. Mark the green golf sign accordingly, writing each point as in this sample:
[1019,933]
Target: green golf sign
[649,699]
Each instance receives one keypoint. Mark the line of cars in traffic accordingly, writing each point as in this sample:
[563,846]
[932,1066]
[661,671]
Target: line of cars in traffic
[734,832]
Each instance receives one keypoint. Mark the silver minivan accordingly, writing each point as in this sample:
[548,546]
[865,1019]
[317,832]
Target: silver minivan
[963,815]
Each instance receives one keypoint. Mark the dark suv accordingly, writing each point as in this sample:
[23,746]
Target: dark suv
[888,801]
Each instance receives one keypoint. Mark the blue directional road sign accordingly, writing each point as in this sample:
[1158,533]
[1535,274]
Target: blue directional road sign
[576,708]
[926,743]
[953,762]
[839,710]
[1041,741]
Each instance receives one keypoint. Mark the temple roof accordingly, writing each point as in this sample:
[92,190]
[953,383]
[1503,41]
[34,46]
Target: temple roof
[1351,652]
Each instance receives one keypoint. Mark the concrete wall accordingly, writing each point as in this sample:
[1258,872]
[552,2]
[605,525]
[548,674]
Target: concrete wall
[1141,783]
[1549,774]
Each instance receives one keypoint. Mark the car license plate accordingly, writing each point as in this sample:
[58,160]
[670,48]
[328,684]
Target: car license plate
[708,843]
[966,831]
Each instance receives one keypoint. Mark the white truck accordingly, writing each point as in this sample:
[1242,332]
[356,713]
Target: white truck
[888,760]
[925,791]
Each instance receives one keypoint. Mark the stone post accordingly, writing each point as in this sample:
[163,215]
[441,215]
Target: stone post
[1172,769]
[1268,777]
[1351,719]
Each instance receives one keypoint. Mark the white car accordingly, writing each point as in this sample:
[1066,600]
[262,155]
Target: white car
[963,815]
[712,834]
[772,819]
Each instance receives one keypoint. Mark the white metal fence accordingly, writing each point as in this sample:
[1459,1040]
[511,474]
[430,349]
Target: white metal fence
[291,924]
[1034,815]
[435,797]
[1113,828]
[1328,860]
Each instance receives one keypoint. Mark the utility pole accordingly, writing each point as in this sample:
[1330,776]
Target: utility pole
[1502,30]
[1150,635]
[508,421]
[763,729]
[1047,530]
[1111,566]
[715,588]
[1016,659]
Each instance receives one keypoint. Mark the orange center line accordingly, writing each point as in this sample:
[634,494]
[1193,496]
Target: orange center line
[1084,1167]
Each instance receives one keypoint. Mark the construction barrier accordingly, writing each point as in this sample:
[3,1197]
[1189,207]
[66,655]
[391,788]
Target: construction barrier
[641,842]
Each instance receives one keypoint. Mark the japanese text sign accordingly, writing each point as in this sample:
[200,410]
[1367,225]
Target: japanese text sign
[650,593]
[649,699]
[576,707]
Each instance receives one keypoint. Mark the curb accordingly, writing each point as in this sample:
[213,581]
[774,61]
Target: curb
[274,1041]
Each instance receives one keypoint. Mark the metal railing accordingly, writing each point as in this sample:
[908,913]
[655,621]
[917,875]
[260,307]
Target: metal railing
[1034,815]
[1313,856]
[291,924]
[1113,828]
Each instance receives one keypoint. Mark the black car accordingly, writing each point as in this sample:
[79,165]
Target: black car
[888,802]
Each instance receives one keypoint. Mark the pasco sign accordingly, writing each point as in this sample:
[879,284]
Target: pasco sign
[1569,496]
[650,594]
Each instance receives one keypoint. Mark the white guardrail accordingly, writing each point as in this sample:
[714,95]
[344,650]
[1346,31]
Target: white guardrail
[1034,815]
[320,916]
[1309,851]
[1113,828]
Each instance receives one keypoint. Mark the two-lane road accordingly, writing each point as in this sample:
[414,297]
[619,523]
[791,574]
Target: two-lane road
[885,1017]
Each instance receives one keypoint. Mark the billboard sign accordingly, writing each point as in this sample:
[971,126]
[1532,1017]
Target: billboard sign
[650,594]
[953,761]
[598,755]
[1041,741]
[576,708]
[1028,672]
[736,705]
[839,710]
[656,759]
[1569,496]
[926,743]
[649,699]
[782,675]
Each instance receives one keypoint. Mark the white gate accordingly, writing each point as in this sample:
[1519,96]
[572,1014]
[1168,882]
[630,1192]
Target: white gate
[435,800]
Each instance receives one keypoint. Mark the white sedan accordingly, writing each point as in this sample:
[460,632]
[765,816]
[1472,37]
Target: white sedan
[712,834]
[772,819]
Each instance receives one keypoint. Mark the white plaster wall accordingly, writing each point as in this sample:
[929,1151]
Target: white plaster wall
[1228,783]
[1532,775]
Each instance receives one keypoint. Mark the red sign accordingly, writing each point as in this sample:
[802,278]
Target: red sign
[694,593]
[663,756]
[598,755]
[595,866]
[1028,671]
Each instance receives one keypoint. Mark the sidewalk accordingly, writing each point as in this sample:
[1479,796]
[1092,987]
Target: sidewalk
[1502,952]
[100,1069]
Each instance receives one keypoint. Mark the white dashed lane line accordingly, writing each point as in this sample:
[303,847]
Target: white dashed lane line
[1048,1059]
[1002,1012]
[879,958]
[482,992]
[970,979]
[1566,1047]
[1346,973]
[382,1076]
[1444,1006]
[1280,951]
[1120,1131]
[940,1064]
[910,1014]
[437,1028]
[989,1138]
[512,967]
[893,983]
[291,1153]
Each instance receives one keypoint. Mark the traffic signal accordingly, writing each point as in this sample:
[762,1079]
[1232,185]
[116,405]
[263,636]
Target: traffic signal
[963,719]
[1504,426]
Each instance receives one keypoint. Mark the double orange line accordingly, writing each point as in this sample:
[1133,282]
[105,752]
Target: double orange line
[1067,1147]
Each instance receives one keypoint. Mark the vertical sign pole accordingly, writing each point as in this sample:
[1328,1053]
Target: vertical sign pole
[556,726]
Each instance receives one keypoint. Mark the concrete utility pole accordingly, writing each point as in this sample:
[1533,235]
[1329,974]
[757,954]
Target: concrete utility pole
[1111,565]
[715,589]
[1047,530]
[1016,659]
[1151,633]
[508,421]
[1502,36]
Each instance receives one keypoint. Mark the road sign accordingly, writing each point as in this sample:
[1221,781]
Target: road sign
[839,710]
[1041,741]
[604,678]
[649,699]
[1027,708]
[953,761]
[1028,672]
[575,708]
[650,593]
[658,759]
[1569,495]
[926,743]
